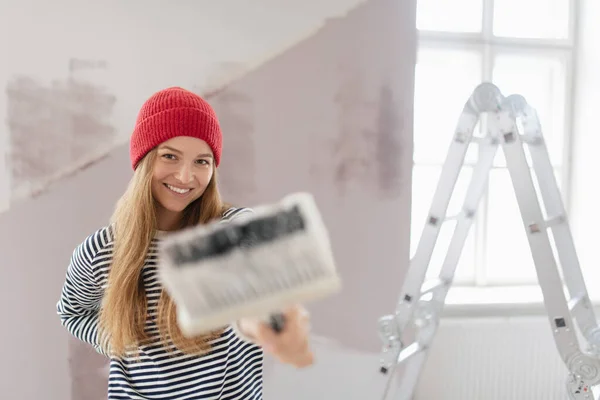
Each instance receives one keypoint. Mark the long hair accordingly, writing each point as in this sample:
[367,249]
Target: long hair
[124,308]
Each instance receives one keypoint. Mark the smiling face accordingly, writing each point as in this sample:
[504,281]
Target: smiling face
[182,170]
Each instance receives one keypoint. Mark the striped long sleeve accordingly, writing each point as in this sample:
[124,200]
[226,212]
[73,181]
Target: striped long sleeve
[231,370]
[79,303]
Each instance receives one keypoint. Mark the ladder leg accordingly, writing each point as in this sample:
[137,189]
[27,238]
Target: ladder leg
[580,304]
[437,214]
[584,368]
[403,387]
[411,304]
[485,98]
[428,312]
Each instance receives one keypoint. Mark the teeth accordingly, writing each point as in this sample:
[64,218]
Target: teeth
[177,190]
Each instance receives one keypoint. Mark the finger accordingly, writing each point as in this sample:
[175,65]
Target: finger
[300,347]
[295,338]
[304,359]
[296,316]
[298,341]
[296,312]
[267,338]
[298,359]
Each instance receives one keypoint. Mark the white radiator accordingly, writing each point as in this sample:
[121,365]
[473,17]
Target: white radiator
[493,359]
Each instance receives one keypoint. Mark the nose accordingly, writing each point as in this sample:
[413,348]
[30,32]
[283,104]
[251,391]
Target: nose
[184,174]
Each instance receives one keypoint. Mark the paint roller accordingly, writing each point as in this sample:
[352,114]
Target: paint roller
[253,266]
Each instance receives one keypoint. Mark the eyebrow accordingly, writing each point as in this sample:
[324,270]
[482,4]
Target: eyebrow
[174,150]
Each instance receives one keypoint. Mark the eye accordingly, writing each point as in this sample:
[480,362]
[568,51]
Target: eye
[203,162]
[169,156]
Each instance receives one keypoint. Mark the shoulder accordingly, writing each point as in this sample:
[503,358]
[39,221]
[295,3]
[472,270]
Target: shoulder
[94,244]
[232,213]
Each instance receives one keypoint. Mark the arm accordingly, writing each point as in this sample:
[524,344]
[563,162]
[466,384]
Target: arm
[81,295]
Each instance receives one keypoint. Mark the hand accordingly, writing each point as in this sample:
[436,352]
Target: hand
[289,346]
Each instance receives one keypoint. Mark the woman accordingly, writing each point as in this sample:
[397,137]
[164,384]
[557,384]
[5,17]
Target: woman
[112,299]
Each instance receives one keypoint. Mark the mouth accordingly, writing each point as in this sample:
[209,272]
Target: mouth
[177,190]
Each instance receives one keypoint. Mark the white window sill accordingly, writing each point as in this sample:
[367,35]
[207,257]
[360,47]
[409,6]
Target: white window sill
[497,301]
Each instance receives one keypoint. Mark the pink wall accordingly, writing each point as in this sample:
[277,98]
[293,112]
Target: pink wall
[37,237]
[333,115]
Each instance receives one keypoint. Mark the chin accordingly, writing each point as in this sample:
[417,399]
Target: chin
[174,208]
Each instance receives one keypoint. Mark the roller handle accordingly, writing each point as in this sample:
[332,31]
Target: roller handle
[277,322]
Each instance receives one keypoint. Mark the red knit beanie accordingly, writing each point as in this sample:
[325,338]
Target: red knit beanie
[174,112]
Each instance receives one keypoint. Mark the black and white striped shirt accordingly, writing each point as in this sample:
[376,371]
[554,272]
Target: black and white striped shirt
[231,370]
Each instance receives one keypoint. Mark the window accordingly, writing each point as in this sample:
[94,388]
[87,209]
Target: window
[524,47]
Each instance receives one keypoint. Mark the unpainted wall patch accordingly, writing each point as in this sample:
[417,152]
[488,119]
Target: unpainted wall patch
[389,145]
[55,128]
[354,148]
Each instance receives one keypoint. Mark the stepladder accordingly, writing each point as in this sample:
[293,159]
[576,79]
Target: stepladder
[510,125]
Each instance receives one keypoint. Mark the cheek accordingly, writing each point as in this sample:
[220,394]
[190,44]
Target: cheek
[156,182]
[155,188]
[160,173]
[204,178]
[207,176]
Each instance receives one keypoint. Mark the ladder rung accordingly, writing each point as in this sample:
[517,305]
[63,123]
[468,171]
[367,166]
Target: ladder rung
[576,302]
[559,219]
[409,351]
[463,137]
[432,285]
[463,214]
[479,140]
[453,217]
[550,222]
[534,140]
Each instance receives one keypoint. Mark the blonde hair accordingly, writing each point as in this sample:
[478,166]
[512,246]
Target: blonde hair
[124,309]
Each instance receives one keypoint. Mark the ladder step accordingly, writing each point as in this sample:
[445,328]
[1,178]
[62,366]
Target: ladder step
[479,140]
[559,219]
[463,214]
[576,302]
[452,217]
[433,285]
[464,137]
[409,351]
[550,222]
